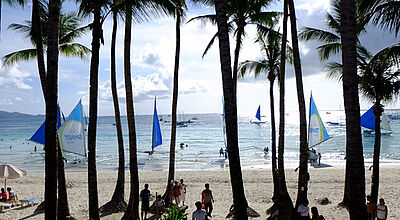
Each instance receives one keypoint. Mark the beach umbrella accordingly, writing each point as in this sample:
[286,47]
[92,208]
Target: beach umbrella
[8,171]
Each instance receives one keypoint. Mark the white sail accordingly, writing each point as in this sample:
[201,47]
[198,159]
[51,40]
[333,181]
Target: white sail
[385,123]
[72,132]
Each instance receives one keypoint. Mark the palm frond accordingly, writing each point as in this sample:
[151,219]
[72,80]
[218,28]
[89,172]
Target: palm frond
[322,36]
[387,15]
[74,50]
[22,55]
[334,70]
[204,19]
[209,45]
[326,50]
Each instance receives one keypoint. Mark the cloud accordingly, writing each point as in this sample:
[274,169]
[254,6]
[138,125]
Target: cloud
[18,98]
[152,59]
[14,77]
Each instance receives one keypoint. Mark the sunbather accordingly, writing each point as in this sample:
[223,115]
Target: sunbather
[11,194]
[3,195]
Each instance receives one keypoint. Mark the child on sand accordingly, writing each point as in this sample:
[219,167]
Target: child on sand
[3,195]
[11,194]
[304,211]
[381,210]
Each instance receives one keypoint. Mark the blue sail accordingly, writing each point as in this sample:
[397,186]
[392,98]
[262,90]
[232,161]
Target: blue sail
[317,132]
[368,119]
[39,135]
[258,114]
[157,137]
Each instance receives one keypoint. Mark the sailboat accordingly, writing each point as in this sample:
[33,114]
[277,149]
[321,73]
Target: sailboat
[258,116]
[317,132]
[156,131]
[72,133]
[368,122]
[39,135]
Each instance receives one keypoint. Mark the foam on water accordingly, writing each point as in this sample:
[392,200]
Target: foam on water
[204,138]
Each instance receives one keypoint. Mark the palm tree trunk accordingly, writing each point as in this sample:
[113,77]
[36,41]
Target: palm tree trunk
[92,128]
[132,211]
[378,109]
[51,112]
[285,202]
[38,38]
[62,205]
[304,176]
[171,172]
[355,173]
[230,113]
[117,203]
[236,59]
[273,141]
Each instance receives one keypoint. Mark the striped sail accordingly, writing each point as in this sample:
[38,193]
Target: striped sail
[316,130]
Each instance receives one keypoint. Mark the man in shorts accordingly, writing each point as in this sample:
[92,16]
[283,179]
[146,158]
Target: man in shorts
[145,196]
[207,199]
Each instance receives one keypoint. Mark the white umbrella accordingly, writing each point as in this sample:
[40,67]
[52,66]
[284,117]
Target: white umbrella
[8,171]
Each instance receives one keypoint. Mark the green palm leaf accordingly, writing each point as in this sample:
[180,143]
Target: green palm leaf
[319,35]
[326,50]
[74,50]
[21,55]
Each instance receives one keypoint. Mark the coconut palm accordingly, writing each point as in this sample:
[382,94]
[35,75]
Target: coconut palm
[331,45]
[180,7]
[355,173]
[97,9]
[380,83]
[51,111]
[285,204]
[230,112]
[269,64]
[117,202]
[304,176]
[240,14]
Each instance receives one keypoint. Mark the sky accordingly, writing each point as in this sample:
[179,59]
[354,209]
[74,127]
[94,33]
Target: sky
[152,65]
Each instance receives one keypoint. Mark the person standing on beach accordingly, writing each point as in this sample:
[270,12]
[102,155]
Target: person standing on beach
[221,152]
[381,210]
[371,208]
[319,159]
[145,196]
[177,192]
[199,214]
[207,199]
[183,192]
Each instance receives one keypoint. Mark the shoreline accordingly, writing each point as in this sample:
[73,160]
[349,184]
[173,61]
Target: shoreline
[325,182]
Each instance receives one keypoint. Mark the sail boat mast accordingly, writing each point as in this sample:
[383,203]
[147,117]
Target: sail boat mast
[83,127]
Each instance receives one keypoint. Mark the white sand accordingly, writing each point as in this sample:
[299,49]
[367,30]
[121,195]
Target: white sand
[325,182]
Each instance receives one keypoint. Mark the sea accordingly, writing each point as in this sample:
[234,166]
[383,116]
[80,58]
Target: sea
[201,143]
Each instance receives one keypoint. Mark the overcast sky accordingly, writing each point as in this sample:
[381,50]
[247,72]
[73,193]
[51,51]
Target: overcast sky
[153,50]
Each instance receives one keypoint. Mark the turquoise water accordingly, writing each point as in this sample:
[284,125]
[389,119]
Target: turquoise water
[204,138]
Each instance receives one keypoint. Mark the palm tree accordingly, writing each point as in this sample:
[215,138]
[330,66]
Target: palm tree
[117,202]
[51,111]
[230,112]
[304,176]
[379,83]
[331,45]
[285,204]
[355,173]
[132,211]
[269,65]
[241,14]
[96,8]
[180,6]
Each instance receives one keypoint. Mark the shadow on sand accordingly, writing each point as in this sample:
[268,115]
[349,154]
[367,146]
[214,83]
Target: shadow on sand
[322,165]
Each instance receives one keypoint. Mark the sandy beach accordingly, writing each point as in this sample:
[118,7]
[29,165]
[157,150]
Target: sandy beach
[325,182]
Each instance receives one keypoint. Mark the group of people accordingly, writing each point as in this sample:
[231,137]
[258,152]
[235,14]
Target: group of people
[223,153]
[7,196]
[157,207]
[379,212]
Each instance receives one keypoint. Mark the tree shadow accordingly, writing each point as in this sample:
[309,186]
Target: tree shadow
[322,165]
